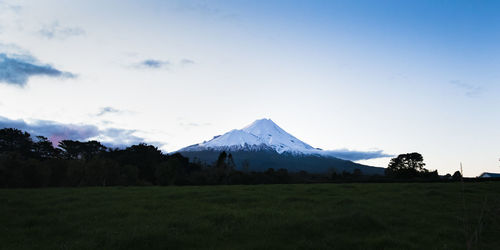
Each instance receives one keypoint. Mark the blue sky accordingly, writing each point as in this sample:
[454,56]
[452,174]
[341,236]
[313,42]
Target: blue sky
[397,76]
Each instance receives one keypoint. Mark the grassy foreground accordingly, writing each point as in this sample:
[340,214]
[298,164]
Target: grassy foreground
[319,216]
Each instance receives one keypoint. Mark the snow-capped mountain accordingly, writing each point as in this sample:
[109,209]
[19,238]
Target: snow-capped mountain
[261,134]
[264,145]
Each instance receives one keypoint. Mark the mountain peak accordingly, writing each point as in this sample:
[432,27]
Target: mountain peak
[262,133]
[267,145]
[262,123]
[261,126]
[263,120]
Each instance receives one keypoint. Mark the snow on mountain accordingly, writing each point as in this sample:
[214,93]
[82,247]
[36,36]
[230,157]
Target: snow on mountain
[275,137]
[261,134]
[264,145]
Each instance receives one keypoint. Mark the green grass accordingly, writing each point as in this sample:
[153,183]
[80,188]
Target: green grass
[319,216]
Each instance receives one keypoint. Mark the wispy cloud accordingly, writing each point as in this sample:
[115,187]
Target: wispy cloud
[119,138]
[188,125]
[18,69]
[470,90]
[11,7]
[55,30]
[353,155]
[56,132]
[157,64]
[152,64]
[108,110]
[185,61]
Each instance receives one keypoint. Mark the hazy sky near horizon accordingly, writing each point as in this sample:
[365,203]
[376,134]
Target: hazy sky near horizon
[399,76]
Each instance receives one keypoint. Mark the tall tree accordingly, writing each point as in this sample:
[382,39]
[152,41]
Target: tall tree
[81,150]
[406,166]
[221,160]
[457,176]
[43,148]
[72,149]
[230,162]
[144,157]
[15,140]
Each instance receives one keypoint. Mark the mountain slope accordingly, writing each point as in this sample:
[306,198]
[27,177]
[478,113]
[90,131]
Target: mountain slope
[261,134]
[263,145]
[261,160]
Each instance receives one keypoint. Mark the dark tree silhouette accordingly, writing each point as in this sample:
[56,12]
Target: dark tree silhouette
[221,160]
[457,176]
[145,158]
[15,140]
[223,167]
[406,166]
[43,148]
[71,149]
[81,150]
[27,161]
[230,162]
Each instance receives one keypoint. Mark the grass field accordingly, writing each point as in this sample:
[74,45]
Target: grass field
[315,216]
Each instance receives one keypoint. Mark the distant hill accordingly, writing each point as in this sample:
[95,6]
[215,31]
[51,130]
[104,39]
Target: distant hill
[263,145]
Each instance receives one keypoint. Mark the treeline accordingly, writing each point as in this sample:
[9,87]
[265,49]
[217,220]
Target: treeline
[27,161]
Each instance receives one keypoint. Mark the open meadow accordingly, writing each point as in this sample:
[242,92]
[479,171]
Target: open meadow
[313,216]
